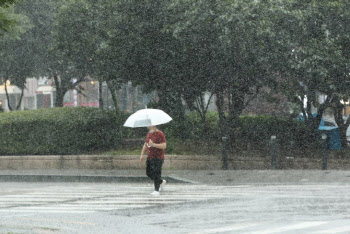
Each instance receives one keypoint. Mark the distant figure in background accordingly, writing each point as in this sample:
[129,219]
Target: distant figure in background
[155,143]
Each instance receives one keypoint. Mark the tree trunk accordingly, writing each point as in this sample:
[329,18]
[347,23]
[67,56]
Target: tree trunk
[100,97]
[311,134]
[236,107]
[220,104]
[7,97]
[20,100]
[171,103]
[59,98]
[222,118]
[343,126]
[205,127]
[312,123]
[59,92]
[202,109]
[114,97]
[236,103]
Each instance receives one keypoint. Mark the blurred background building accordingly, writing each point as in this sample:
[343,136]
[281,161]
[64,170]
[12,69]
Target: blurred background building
[40,93]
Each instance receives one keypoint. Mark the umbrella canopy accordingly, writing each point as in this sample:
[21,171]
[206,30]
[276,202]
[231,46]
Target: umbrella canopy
[147,117]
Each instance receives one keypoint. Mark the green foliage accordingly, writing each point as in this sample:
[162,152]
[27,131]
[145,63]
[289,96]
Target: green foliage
[182,49]
[259,129]
[8,20]
[59,131]
[311,53]
[23,53]
[35,43]
[197,129]
[79,34]
[250,129]
[6,2]
[79,46]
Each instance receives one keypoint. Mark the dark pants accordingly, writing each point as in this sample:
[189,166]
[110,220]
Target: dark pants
[154,171]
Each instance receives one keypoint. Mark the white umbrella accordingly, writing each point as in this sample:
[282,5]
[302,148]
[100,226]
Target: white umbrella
[147,117]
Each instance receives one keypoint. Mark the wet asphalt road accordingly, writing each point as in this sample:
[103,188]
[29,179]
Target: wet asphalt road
[188,208]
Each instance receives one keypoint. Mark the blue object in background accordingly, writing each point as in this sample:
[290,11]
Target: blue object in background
[332,132]
[333,135]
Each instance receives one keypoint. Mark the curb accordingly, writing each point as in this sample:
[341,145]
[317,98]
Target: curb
[172,162]
[103,162]
[175,177]
[85,179]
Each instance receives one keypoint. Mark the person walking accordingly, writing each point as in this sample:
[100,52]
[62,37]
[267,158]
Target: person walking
[155,145]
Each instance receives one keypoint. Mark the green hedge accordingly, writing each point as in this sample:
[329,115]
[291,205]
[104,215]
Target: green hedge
[59,131]
[259,129]
[250,129]
[80,130]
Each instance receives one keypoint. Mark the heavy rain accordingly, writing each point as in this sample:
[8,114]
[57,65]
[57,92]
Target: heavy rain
[174,116]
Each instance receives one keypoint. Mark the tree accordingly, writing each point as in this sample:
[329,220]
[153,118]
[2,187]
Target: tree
[80,33]
[26,55]
[228,53]
[8,20]
[194,26]
[15,66]
[337,19]
[48,60]
[182,49]
[32,54]
[6,3]
[14,53]
[309,58]
[141,50]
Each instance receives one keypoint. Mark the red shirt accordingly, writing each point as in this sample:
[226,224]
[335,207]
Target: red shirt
[157,138]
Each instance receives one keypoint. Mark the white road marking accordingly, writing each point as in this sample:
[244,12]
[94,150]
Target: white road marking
[107,197]
[344,229]
[47,211]
[70,207]
[293,227]
[226,229]
[57,199]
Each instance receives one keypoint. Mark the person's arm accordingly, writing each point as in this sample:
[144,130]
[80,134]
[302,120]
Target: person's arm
[144,148]
[161,145]
[158,146]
